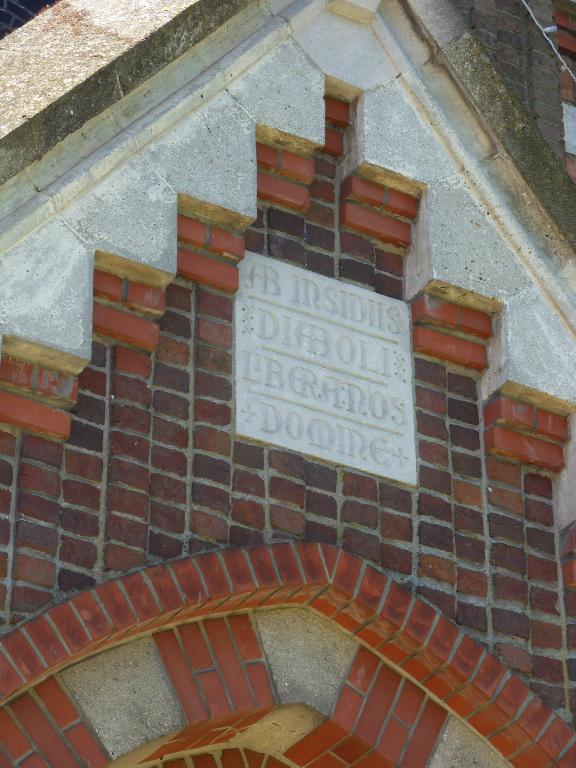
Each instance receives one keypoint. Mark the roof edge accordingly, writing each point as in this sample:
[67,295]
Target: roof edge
[31,140]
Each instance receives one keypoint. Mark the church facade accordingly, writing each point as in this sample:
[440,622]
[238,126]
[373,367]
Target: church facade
[287,376]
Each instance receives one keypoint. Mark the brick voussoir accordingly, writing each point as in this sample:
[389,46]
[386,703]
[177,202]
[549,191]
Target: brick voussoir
[163,596]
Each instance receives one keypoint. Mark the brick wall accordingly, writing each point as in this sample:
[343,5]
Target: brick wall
[567,45]
[153,470]
[523,57]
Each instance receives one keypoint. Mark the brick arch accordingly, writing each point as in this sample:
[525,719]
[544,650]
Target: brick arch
[394,628]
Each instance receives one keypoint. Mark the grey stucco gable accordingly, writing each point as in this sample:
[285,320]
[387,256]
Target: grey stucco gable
[62,109]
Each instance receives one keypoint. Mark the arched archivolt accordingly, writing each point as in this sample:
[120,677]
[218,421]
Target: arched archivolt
[410,667]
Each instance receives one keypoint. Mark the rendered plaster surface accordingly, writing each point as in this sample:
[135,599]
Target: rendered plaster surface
[46,290]
[392,135]
[537,346]
[308,656]
[324,368]
[464,247]
[439,20]
[211,157]
[570,128]
[346,51]
[459,747]
[283,91]
[132,214]
[125,696]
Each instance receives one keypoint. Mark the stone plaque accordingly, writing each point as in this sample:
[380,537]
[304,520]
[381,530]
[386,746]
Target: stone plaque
[324,368]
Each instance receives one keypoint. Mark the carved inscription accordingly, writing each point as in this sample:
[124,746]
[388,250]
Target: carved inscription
[324,368]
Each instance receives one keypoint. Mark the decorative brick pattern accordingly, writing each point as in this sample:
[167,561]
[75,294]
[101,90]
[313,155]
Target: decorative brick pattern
[153,471]
[433,653]
[515,430]
[447,331]
[283,177]
[216,667]
[126,318]
[32,398]
[389,713]
[209,254]
[43,725]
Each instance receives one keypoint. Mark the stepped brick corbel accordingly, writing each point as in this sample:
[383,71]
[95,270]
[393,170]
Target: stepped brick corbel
[524,432]
[125,311]
[337,120]
[450,332]
[513,429]
[35,399]
[373,210]
[208,254]
[284,177]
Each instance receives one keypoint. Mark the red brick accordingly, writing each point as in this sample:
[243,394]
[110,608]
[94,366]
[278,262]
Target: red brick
[401,203]
[13,740]
[181,676]
[57,702]
[132,361]
[192,231]
[126,327]
[429,309]
[86,746]
[219,334]
[525,448]
[36,417]
[107,286]
[18,373]
[146,298]
[454,349]
[172,351]
[504,410]
[333,142]
[266,156]
[362,191]
[38,727]
[283,192]
[551,425]
[297,167]
[337,112]
[437,568]
[374,224]
[57,385]
[226,243]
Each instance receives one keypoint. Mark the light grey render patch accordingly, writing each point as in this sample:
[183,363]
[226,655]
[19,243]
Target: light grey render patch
[460,747]
[125,695]
[210,156]
[346,51]
[465,250]
[392,134]
[570,128]
[132,214]
[536,344]
[285,91]
[308,656]
[46,290]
